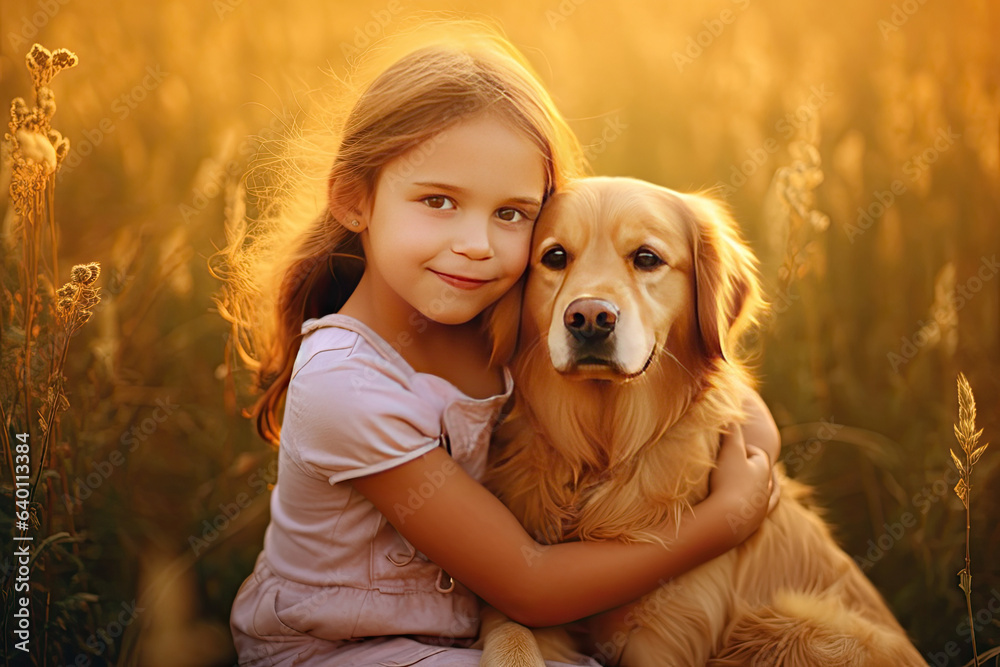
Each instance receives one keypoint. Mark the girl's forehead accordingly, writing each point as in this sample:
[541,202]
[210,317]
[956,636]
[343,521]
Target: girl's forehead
[481,153]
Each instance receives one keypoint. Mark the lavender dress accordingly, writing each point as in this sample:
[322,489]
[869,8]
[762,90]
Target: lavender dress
[336,584]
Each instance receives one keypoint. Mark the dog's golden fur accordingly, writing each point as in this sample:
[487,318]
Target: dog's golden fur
[614,433]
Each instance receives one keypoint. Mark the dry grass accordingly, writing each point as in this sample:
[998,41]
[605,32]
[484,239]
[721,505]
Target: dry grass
[968,438]
[143,194]
[39,322]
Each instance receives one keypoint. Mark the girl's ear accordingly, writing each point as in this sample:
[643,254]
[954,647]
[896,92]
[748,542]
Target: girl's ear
[353,220]
[502,322]
[347,208]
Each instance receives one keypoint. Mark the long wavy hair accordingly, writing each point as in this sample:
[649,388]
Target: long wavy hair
[299,261]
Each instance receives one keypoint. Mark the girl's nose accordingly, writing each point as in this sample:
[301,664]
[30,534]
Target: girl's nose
[472,239]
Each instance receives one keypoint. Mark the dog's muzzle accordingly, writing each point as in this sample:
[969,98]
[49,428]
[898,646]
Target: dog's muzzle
[590,345]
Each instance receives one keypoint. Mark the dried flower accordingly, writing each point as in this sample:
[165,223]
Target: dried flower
[85,274]
[63,59]
[19,112]
[78,297]
[797,182]
[44,65]
[37,148]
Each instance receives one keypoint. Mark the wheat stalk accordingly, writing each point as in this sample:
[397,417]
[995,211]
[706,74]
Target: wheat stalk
[968,438]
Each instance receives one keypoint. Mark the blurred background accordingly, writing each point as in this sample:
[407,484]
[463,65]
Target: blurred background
[857,143]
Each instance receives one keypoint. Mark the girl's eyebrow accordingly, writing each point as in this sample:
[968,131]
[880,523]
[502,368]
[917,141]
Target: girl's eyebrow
[527,201]
[442,186]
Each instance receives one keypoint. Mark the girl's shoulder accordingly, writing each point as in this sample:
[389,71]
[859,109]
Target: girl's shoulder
[345,344]
[353,405]
[342,355]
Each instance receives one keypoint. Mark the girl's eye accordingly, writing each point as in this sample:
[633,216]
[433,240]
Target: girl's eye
[555,258]
[439,202]
[645,259]
[511,215]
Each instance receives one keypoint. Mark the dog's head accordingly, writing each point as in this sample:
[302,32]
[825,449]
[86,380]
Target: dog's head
[625,274]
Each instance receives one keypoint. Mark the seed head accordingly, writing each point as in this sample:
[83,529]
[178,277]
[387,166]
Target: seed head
[85,274]
[37,148]
[44,65]
[19,113]
[63,59]
[77,297]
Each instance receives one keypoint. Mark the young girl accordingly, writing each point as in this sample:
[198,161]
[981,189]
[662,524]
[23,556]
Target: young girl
[380,536]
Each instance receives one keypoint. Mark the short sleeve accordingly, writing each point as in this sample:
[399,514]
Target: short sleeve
[354,415]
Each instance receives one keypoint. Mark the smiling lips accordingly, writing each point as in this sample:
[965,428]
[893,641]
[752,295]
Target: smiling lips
[459,281]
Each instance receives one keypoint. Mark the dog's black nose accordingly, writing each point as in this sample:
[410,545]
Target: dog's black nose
[590,320]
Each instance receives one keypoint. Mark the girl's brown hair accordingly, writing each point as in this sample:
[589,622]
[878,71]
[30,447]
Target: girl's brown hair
[303,262]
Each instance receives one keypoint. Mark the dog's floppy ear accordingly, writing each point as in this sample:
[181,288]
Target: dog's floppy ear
[502,323]
[727,285]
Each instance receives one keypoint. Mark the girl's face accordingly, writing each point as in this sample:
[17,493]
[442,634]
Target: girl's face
[450,224]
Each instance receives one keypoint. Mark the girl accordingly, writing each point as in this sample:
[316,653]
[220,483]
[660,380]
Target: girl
[380,536]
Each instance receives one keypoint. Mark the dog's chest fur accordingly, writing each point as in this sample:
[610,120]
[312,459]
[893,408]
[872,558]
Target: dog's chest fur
[606,463]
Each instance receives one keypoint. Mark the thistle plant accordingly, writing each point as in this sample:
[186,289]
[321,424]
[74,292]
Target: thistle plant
[968,438]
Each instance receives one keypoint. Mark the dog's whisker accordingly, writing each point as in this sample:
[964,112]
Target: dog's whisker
[666,351]
[530,351]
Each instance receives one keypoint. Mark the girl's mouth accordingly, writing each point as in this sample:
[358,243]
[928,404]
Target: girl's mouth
[460,281]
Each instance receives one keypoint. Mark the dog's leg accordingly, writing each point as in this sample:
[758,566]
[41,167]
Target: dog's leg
[818,610]
[804,630]
[677,625]
[506,643]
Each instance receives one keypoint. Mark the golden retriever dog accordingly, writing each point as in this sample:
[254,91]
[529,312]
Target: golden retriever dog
[626,373]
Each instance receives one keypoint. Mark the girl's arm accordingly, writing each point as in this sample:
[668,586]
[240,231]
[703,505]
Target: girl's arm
[467,531]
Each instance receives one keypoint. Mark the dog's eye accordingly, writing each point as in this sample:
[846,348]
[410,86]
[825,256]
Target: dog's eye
[646,260]
[554,258]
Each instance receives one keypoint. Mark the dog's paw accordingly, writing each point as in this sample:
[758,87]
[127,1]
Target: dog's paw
[511,645]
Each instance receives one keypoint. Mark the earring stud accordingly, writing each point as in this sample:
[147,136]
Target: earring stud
[354,223]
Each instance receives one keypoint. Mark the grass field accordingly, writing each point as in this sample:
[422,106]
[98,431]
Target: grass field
[858,144]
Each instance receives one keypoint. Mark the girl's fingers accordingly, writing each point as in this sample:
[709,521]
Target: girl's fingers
[775,491]
[754,450]
[731,461]
[773,484]
[759,457]
[732,441]
[762,458]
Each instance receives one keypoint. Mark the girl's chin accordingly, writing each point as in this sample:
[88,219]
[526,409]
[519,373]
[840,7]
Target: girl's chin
[452,319]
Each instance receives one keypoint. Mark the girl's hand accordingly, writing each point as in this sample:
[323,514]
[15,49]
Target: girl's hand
[740,485]
[760,430]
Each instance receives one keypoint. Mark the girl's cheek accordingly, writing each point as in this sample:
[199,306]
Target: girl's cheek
[525,253]
[516,251]
[526,241]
